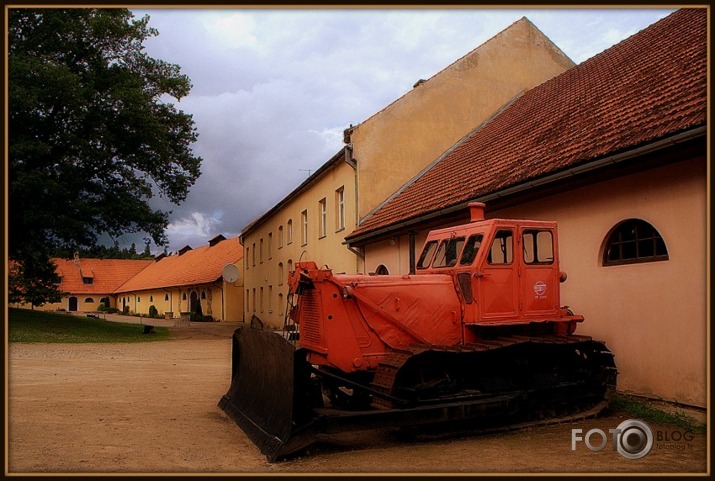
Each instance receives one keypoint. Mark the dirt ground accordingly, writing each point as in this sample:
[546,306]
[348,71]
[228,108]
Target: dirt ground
[152,408]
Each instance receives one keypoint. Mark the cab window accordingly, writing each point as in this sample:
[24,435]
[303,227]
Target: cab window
[538,247]
[502,248]
[427,255]
[471,248]
[448,252]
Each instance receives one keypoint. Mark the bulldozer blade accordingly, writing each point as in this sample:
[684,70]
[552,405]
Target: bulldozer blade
[269,396]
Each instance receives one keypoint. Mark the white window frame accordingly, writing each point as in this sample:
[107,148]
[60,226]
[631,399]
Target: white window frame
[323,219]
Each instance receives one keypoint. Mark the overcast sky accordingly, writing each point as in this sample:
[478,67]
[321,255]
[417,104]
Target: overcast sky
[273,89]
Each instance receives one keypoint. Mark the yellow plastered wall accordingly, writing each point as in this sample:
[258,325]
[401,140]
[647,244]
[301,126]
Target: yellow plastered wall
[395,144]
[266,269]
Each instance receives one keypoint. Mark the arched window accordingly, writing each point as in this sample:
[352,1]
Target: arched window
[183,296]
[280,274]
[632,241]
[151,298]
[166,297]
[203,294]
[382,270]
[89,300]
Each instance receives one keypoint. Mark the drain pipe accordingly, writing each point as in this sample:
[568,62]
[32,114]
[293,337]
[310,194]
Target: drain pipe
[353,163]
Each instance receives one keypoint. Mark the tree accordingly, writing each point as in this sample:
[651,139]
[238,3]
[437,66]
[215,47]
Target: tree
[92,136]
[34,281]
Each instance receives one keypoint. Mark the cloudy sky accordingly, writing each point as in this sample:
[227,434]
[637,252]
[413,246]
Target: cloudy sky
[273,89]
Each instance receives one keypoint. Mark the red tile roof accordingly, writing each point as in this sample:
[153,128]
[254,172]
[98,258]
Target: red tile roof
[106,274]
[201,265]
[649,86]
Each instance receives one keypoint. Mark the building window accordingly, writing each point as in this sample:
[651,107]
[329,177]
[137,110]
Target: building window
[260,250]
[280,237]
[88,280]
[89,300]
[289,234]
[261,299]
[634,241]
[280,304]
[270,299]
[248,250]
[254,300]
[382,270]
[340,209]
[139,298]
[304,227]
[253,255]
[290,266]
[248,300]
[323,219]
[151,298]
[183,296]
[166,297]
[270,245]
[280,274]
[203,295]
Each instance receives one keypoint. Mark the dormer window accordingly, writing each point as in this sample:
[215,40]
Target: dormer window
[87,280]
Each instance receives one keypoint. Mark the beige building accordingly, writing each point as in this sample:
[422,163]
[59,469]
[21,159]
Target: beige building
[89,283]
[615,150]
[205,283]
[381,154]
[310,223]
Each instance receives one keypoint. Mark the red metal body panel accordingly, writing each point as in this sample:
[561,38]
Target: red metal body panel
[483,274]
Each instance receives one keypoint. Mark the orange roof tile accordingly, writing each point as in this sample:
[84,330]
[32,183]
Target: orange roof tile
[195,266]
[106,274]
[650,86]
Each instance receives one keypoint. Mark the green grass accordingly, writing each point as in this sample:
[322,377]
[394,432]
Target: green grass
[37,326]
[639,409]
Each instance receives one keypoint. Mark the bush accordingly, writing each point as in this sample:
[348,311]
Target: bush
[153,312]
[125,310]
[111,310]
[101,308]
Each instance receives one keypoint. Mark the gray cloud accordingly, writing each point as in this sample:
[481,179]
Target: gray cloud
[274,89]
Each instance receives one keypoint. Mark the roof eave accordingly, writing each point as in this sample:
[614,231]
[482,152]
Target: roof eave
[596,164]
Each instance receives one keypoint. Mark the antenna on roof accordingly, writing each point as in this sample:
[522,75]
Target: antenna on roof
[306,170]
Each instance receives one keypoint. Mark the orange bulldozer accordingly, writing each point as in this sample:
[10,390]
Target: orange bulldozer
[476,339]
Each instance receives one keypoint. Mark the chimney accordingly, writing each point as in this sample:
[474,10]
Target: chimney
[476,211]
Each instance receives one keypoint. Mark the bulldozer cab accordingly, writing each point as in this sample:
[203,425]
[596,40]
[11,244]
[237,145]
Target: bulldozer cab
[503,270]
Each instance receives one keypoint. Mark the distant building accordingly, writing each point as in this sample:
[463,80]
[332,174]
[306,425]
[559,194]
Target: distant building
[91,282]
[207,280]
[189,282]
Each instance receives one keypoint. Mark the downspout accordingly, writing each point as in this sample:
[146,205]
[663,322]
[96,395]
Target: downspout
[353,163]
